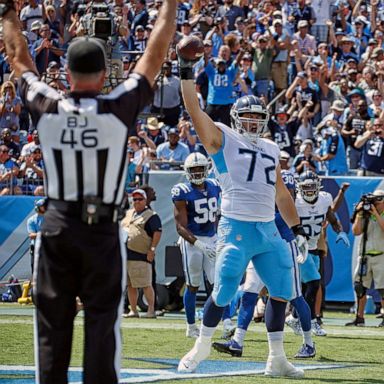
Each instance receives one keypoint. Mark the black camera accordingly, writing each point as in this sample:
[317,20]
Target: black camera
[369,199]
[100,22]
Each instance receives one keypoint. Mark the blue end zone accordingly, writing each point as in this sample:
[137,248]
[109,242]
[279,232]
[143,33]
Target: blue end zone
[209,368]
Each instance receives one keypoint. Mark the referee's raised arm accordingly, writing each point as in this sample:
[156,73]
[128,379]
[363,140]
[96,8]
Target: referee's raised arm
[14,41]
[150,64]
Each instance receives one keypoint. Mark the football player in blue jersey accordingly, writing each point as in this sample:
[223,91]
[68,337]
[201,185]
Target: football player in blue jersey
[196,205]
[314,208]
[253,285]
[247,167]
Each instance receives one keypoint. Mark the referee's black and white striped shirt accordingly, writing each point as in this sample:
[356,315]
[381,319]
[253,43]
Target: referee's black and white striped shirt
[84,136]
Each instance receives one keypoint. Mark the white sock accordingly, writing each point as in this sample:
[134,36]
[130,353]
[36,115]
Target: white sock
[227,323]
[206,333]
[191,326]
[275,343]
[307,337]
[239,336]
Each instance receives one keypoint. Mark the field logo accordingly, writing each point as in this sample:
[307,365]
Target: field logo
[167,371]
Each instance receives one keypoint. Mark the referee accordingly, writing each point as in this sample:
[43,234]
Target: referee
[83,140]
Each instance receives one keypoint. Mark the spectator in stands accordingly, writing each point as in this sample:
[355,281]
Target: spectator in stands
[283,130]
[167,98]
[134,144]
[372,144]
[32,172]
[138,14]
[144,232]
[30,147]
[220,88]
[332,152]
[46,49]
[10,108]
[262,64]
[279,68]
[155,131]
[305,160]
[230,12]
[8,174]
[51,19]
[172,151]
[187,135]
[30,13]
[7,140]
[353,127]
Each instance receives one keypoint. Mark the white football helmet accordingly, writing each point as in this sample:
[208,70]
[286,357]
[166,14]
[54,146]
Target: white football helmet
[251,128]
[196,167]
[309,186]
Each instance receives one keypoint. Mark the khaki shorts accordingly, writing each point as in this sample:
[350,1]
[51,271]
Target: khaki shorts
[375,272]
[139,274]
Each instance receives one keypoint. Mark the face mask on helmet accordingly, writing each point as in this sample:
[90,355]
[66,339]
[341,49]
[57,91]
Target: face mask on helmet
[249,117]
[196,168]
[309,189]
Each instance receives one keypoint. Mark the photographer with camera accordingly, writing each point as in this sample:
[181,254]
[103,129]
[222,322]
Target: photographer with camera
[371,142]
[368,220]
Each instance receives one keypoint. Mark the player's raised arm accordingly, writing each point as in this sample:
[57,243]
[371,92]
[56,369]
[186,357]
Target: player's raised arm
[209,134]
[15,43]
[150,64]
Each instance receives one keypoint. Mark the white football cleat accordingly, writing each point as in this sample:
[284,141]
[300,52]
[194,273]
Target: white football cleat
[194,357]
[193,331]
[228,331]
[294,324]
[316,329]
[279,366]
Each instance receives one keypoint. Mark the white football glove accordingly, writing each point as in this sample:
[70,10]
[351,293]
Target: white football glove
[303,249]
[206,249]
[343,237]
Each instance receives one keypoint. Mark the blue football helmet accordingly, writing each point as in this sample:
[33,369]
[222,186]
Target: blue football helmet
[249,127]
[309,186]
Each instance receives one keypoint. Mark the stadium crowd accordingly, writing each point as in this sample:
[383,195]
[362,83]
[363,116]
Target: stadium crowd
[319,64]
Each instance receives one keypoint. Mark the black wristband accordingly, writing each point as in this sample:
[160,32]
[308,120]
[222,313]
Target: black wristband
[298,230]
[186,73]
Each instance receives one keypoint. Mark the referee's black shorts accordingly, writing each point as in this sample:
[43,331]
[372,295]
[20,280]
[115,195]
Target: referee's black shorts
[76,259]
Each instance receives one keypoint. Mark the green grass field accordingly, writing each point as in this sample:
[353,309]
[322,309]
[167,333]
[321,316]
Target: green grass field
[361,349]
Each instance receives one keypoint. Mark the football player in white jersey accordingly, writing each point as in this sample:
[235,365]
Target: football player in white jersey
[314,207]
[247,167]
[196,205]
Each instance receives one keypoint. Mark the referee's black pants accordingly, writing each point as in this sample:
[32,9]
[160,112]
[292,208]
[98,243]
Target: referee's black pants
[75,259]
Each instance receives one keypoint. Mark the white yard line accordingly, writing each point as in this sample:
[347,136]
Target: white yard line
[145,324]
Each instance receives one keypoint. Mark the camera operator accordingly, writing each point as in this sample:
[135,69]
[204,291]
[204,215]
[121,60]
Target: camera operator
[103,24]
[371,142]
[371,250]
